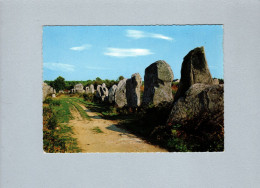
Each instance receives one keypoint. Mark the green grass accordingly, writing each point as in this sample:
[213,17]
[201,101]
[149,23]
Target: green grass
[62,111]
[97,130]
[82,112]
[66,133]
[57,137]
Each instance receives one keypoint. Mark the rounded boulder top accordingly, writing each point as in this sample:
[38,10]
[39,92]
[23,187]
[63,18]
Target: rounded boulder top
[161,69]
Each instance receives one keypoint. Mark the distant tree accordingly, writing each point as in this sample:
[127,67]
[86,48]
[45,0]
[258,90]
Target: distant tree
[120,78]
[59,84]
[98,81]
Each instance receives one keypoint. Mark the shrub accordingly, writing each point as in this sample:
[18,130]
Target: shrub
[47,101]
[56,140]
[88,97]
[55,103]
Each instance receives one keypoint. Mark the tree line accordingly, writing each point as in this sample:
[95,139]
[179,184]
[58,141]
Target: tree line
[61,84]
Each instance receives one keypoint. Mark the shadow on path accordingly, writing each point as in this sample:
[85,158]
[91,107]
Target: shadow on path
[113,127]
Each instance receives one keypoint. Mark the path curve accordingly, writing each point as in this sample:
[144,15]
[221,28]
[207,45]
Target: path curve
[113,139]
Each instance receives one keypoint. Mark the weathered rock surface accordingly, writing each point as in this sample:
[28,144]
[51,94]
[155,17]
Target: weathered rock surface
[120,95]
[215,81]
[91,88]
[111,94]
[104,92]
[98,93]
[46,90]
[194,70]
[87,90]
[201,105]
[157,83]
[133,90]
[53,95]
[79,88]
[72,91]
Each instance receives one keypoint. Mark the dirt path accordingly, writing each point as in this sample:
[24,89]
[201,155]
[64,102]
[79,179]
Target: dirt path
[112,138]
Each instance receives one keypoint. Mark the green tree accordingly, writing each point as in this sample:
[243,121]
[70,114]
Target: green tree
[120,78]
[59,84]
[98,81]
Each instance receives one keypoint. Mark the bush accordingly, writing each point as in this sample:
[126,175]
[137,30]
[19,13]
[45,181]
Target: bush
[206,137]
[55,103]
[88,97]
[49,119]
[56,140]
[47,101]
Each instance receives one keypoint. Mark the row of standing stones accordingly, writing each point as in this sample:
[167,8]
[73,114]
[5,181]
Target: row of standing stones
[199,98]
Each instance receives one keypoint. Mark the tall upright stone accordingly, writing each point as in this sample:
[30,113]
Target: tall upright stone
[111,94]
[194,70]
[98,93]
[45,90]
[104,92]
[72,91]
[133,90]
[120,96]
[91,88]
[157,83]
[79,88]
[87,90]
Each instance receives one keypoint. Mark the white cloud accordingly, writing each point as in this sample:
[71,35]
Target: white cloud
[141,34]
[131,52]
[59,67]
[135,34]
[80,48]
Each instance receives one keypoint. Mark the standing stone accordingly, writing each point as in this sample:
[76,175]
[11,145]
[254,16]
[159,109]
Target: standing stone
[87,90]
[104,92]
[54,91]
[194,70]
[215,81]
[72,91]
[51,90]
[201,105]
[79,88]
[98,93]
[45,90]
[111,94]
[157,83]
[133,90]
[91,88]
[120,95]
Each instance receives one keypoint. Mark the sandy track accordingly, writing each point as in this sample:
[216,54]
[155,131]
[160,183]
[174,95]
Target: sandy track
[113,139]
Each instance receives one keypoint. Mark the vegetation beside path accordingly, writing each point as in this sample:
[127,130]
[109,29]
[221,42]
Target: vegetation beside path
[57,134]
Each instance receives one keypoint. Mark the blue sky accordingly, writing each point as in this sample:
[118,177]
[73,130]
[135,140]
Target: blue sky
[87,52]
